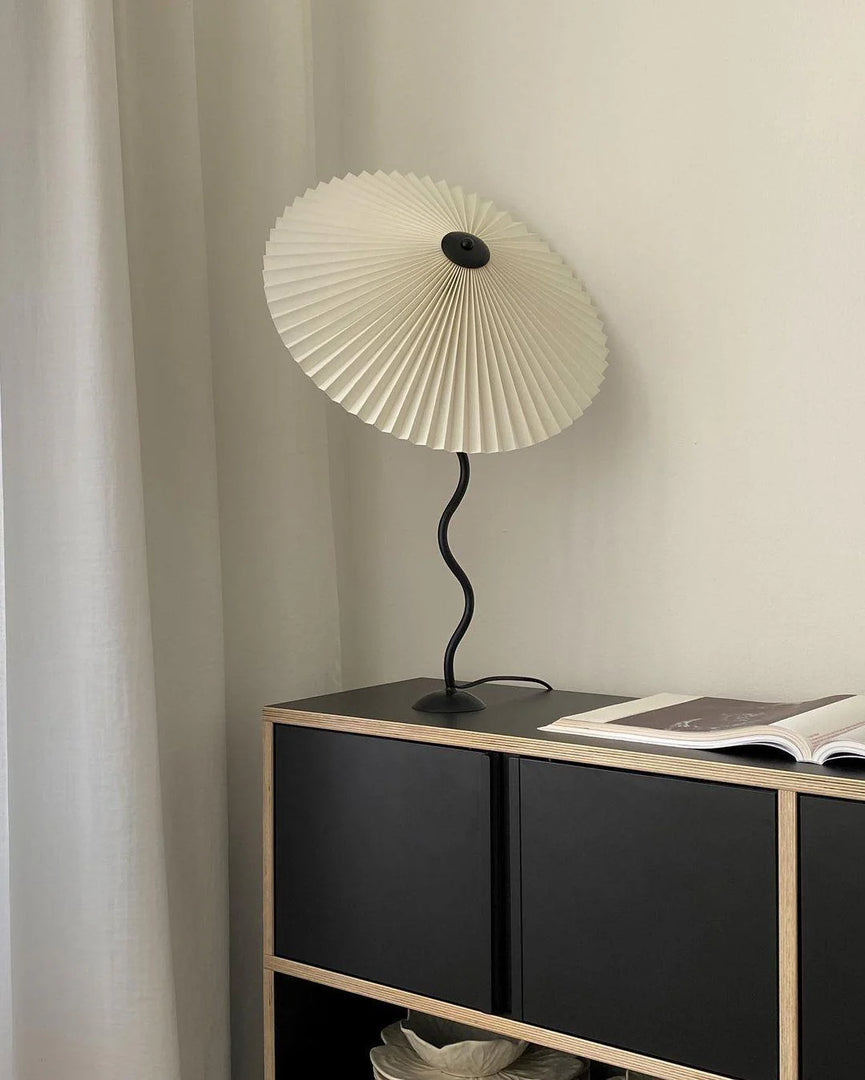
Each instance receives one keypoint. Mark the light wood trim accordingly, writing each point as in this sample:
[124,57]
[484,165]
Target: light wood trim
[269,1031]
[501,1025]
[267,836]
[788,933]
[616,757]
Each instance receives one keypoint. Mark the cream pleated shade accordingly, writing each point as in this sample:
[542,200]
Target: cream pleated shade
[495,357]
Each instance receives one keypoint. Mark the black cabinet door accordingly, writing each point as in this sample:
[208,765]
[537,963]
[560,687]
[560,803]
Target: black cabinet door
[649,915]
[382,864]
[832,869]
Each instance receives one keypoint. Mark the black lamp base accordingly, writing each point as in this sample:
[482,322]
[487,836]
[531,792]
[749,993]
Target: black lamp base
[454,701]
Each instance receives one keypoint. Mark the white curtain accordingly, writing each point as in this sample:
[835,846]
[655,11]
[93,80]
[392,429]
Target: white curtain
[113,897]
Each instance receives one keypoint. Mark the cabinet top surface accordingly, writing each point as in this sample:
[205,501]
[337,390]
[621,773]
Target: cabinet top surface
[510,723]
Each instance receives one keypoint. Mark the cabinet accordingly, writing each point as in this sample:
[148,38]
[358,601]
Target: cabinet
[688,916]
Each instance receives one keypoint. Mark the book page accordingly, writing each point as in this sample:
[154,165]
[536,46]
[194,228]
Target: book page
[625,710]
[837,718]
[708,715]
[849,745]
[682,714]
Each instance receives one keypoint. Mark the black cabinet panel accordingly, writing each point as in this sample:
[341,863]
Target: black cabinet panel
[832,869]
[382,862]
[649,915]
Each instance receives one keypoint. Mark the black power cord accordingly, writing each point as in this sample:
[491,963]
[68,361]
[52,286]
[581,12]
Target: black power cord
[504,678]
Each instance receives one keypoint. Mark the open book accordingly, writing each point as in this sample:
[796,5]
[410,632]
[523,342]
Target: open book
[815,731]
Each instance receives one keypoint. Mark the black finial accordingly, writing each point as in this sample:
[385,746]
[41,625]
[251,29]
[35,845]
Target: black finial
[464,249]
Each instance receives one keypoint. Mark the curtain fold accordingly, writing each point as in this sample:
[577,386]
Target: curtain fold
[108,905]
[163,197]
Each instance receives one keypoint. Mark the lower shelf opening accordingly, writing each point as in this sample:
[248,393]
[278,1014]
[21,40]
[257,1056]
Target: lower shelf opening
[320,1031]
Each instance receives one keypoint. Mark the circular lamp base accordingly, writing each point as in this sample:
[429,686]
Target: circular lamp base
[440,701]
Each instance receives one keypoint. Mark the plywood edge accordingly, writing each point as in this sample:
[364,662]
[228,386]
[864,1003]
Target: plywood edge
[569,1044]
[615,757]
[788,934]
[269,1031]
[267,837]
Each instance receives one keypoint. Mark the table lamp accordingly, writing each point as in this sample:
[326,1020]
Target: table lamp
[438,318]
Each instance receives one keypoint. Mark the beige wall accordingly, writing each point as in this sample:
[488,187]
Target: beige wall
[703,526]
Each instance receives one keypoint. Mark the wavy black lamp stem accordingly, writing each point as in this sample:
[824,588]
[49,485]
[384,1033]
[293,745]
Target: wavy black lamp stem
[457,571]
[455,697]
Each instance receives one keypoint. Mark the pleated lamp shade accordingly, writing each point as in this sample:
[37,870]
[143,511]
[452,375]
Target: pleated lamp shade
[432,314]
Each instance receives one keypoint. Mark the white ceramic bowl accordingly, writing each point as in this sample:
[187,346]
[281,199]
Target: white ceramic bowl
[457,1049]
[397,1061]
